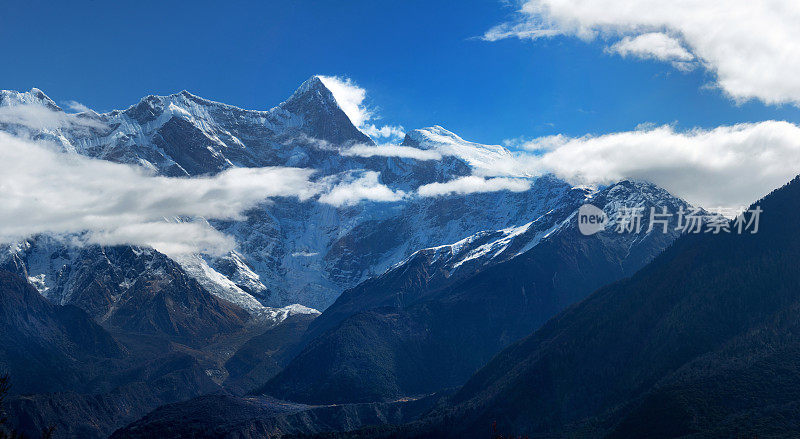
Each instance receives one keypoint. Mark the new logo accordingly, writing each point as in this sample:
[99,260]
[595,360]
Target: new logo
[591,219]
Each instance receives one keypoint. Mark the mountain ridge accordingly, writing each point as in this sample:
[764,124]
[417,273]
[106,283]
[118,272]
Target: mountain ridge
[182,134]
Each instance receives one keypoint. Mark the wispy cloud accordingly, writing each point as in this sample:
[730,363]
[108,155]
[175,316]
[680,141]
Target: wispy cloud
[474,184]
[752,47]
[351,99]
[384,131]
[523,30]
[392,151]
[77,107]
[173,238]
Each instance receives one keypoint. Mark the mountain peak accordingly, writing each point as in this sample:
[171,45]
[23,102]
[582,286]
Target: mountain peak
[313,91]
[314,83]
[186,94]
[641,188]
[315,102]
[484,158]
[32,97]
[182,96]
[426,137]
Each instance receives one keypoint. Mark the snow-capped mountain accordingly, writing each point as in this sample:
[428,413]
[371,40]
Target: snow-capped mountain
[444,262]
[182,134]
[292,251]
[305,252]
[431,269]
[431,321]
[483,159]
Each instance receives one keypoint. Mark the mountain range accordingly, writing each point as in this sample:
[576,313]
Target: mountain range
[415,295]
[289,251]
[700,342]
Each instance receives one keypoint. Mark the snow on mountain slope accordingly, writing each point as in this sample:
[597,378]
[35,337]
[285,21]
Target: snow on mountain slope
[306,252]
[483,159]
[32,97]
[218,284]
[433,268]
[291,251]
[99,279]
[494,246]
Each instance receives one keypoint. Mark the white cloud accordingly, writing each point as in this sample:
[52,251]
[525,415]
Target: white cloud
[539,144]
[473,184]
[753,47]
[392,151]
[654,45]
[350,98]
[172,238]
[77,107]
[38,117]
[45,191]
[523,30]
[384,131]
[725,166]
[355,187]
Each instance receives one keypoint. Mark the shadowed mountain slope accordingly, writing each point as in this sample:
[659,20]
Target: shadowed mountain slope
[703,341]
[416,341]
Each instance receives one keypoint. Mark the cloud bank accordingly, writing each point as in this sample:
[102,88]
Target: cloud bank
[721,167]
[39,117]
[45,191]
[752,47]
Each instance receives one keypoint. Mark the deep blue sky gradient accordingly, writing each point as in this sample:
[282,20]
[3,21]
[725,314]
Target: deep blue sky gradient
[419,61]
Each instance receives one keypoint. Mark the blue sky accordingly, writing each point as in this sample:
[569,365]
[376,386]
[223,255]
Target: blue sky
[420,63]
